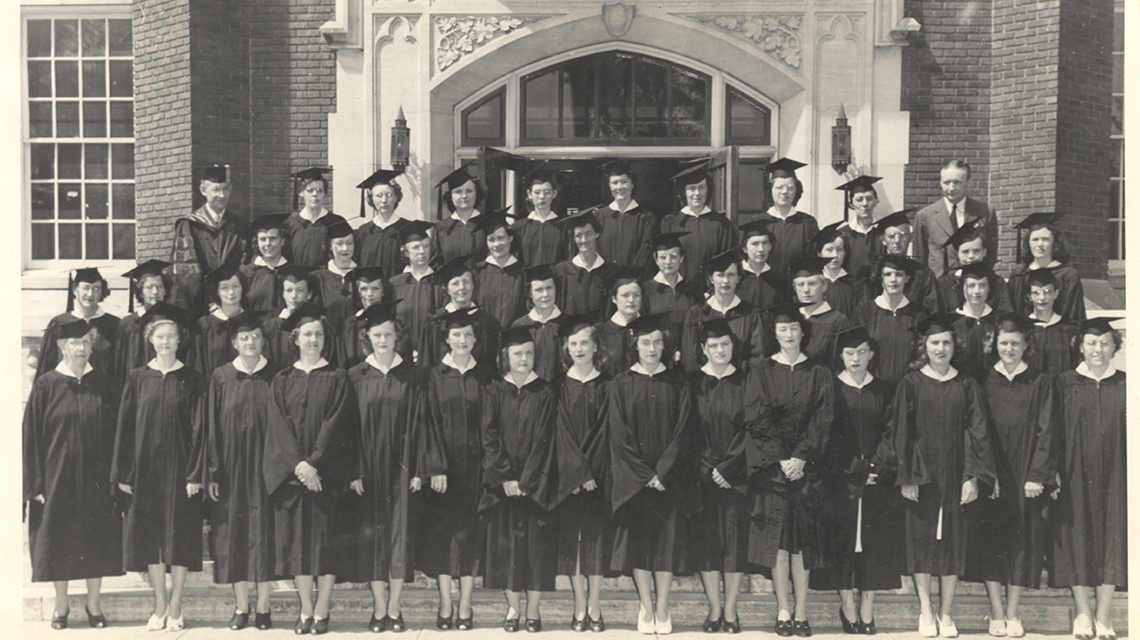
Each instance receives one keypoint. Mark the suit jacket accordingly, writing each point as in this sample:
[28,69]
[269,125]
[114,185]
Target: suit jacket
[932,229]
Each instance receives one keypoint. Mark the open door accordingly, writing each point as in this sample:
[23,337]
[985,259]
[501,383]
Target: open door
[724,165]
[493,165]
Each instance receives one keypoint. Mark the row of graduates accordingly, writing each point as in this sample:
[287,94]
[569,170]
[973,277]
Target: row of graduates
[300,443]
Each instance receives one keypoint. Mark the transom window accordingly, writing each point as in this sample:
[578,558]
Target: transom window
[79,138]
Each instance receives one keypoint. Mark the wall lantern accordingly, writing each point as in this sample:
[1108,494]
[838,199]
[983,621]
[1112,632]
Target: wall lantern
[840,142]
[401,137]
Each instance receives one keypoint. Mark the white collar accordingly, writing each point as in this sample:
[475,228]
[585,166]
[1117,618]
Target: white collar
[961,205]
[632,205]
[215,216]
[335,269]
[881,301]
[747,267]
[857,226]
[1052,265]
[153,364]
[775,213]
[380,224]
[531,377]
[1054,319]
[823,308]
[260,262]
[474,214]
[284,315]
[221,315]
[1018,370]
[619,319]
[687,210]
[708,370]
[577,261]
[511,259]
[637,368]
[261,364]
[66,370]
[1084,370]
[98,312]
[320,214]
[929,372]
[449,361]
[371,359]
[986,310]
[842,272]
[782,359]
[660,278]
[408,269]
[846,379]
[534,216]
[533,315]
[451,306]
[320,363]
[715,306]
[573,374]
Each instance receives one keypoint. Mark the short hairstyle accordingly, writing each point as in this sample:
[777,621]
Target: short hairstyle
[620,169]
[1005,326]
[957,163]
[401,336]
[166,285]
[480,194]
[1117,340]
[1060,243]
[104,291]
[961,286]
[504,362]
[600,354]
[153,325]
[799,188]
[296,332]
[773,346]
[667,354]
[872,344]
[920,359]
[212,288]
[396,189]
[702,359]
[530,291]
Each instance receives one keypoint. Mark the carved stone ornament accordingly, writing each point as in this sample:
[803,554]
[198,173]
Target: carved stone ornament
[778,35]
[458,36]
[618,17]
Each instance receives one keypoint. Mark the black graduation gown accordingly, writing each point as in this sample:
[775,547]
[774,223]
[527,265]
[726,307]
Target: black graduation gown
[212,345]
[548,361]
[651,434]
[1008,533]
[312,417]
[579,290]
[825,329]
[585,526]
[1053,351]
[844,294]
[612,339]
[950,292]
[939,434]
[69,427]
[376,247]
[623,235]
[103,348]
[212,247]
[1070,301]
[520,552]
[790,237]
[852,454]
[921,288]
[451,239]
[501,290]
[389,405]
[540,242]
[306,243]
[746,324]
[417,300]
[451,537]
[661,298]
[333,296]
[133,351]
[710,234]
[719,533]
[894,333]
[486,342]
[260,283]
[765,290]
[1089,522]
[161,418]
[973,335]
[788,414]
[858,251]
[241,522]
[280,349]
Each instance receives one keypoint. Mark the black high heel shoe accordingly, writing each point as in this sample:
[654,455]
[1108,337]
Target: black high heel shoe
[465,624]
[731,627]
[712,626]
[397,624]
[510,625]
[304,626]
[598,625]
[96,621]
[578,626]
[801,628]
[784,628]
[848,626]
[262,621]
[867,628]
[238,622]
[321,627]
[443,623]
[377,625]
[59,622]
[533,625]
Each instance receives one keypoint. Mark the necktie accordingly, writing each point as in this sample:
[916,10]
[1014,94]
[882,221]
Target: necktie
[954,217]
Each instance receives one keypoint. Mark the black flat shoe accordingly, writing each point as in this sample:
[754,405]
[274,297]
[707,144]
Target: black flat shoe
[510,626]
[597,626]
[868,628]
[321,627]
[239,621]
[577,625]
[397,624]
[59,622]
[533,625]
[465,624]
[303,626]
[731,627]
[377,626]
[262,620]
[848,626]
[442,622]
[96,621]
[801,628]
[784,628]
[712,626]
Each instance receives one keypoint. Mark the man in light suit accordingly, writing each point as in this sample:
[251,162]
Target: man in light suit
[934,224]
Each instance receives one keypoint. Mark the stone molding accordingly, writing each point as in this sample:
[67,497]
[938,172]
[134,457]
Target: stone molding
[776,34]
[459,36]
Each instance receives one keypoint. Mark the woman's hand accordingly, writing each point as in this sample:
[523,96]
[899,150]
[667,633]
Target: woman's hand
[871,478]
[1033,489]
[511,488]
[439,484]
[192,489]
[969,491]
[590,485]
[1057,491]
[126,488]
[655,483]
[40,499]
[214,491]
[357,486]
[793,468]
[719,480]
[910,492]
[997,489]
[308,476]
[416,485]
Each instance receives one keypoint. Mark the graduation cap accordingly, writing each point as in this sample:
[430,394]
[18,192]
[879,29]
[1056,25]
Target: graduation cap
[456,179]
[166,311]
[668,240]
[807,266]
[580,219]
[1038,219]
[414,230]
[826,235]
[89,275]
[517,335]
[491,222]
[937,323]
[301,178]
[784,168]
[722,261]
[649,323]
[539,273]
[978,270]
[965,233]
[148,268]
[786,312]
[216,173]
[693,174]
[293,271]
[621,276]
[853,337]
[223,272]
[899,262]
[858,185]
[896,219]
[265,223]
[452,269]
[366,274]
[381,176]
[1096,326]
[1042,277]
[244,321]
[379,313]
[616,167]
[569,325]
[716,328]
[754,228]
[458,318]
[303,314]
[73,329]
[338,229]
[1013,321]
[539,175]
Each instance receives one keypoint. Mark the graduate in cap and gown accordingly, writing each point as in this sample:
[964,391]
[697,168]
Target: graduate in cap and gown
[890,317]
[206,239]
[1042,245]
[459,235]
[390,404]
[450,459]
[456,280]
[312,463]
[212,346]
[704,233]
[499,279]
[415,286]
[891,235]
[669,291]
[580,280]
[759,284]
[332,291]
[844,291]
[938,431]
[810,286]
[1090,521]
[543,320]
[539,238]
[86,288]
[306,230]
[625,223]
[791,229]
[968,244]
[241,520]
[74,529]
[974,326]
[860,199]
[295,286]
[367,286]
[722,275]
[162,419]
[518,487]
[378,240]
[1054,337]
[149,285]
[624,284]
[260,273]
[652,453]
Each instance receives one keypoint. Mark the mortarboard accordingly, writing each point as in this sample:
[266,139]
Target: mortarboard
[754,228]
[452,269]
[458,318]
[1013,321]
[851,338]
[896,219]
[148,268]
[495,220]
[456,179]
[716,328]
[380,312]
[539,273]
[784,168]
[693,174]
[826,235]
[265,223]
[900,262]
[1036,219]
[807,266]
[668,240]
[965,233]
[722,261]
[414,230]
[569,325]
[304,314]
[937,323]
[1096,326]
[786,312]
[167,311]
[216,173]
[1042,277]
[580,219]
[515,335]
[621,276]
[338,229]
[649,323]
[244,321]
[223,272]
[858,185]
[73,329]
[978,270]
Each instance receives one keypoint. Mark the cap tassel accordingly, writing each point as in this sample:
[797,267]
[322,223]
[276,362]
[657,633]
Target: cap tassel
[296,196]
[859,528]
[70,291]
[131,296]
[938,533]
[362,198]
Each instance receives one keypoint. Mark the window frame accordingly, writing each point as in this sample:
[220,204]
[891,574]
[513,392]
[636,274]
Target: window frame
[94,9]
[468,141]
[1116,218]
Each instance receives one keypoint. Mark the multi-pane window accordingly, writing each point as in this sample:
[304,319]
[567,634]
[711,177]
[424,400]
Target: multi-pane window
[79,138]
[1116,212]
